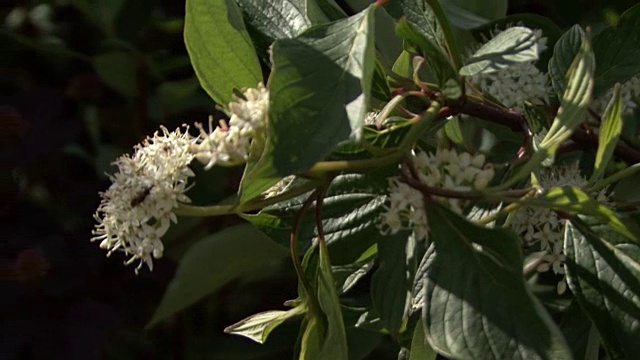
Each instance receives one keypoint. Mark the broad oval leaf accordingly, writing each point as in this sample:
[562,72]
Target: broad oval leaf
[606,282]
[220,49]
[565,50]
[477,304]
[514,45]
[617,51]
[319,91]
[214,261]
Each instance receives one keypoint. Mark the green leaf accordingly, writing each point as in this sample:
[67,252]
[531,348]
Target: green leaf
[466,18]
[352,205]
[606,283]
[420,349]
[319,91]
[213,262]
[572,199]
[335,344]
[435,58]
[324,336]
[277,19]
[118,70]
[420,16]
[257,327]
[532,21]
[564,52]
[391,283]
[575,99]
[512,46]
[480,9]
[220,49]
[477,304]
[610,130]
[617,52]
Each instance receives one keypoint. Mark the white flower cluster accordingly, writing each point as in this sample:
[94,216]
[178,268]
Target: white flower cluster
[630,93]
[228,144]
[446,169]
[542,230]
[137,209]
[517,83]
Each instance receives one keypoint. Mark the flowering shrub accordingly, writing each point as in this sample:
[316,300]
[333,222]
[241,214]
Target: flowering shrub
[478,185]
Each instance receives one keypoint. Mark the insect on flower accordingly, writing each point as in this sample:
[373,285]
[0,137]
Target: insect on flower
[139,198]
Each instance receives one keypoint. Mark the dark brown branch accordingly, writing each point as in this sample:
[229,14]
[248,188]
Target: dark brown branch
[505,117]
[622,150]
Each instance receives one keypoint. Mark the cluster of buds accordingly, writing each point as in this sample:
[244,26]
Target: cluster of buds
[229,144]
[445,169]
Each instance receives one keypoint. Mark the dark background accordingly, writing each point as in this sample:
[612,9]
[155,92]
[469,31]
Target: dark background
[76,91]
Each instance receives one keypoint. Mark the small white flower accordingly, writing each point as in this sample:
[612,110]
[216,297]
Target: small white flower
[229,144]
[445,169]
[541,229]
[630,92]
[137,209]
[518,82]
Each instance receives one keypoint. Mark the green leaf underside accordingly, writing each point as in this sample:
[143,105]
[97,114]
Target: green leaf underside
[258,326]
[220,49]
[564,52]
[606,282]
[420,349]
[336,338]
[213,262]
[575,99]
[477,305]
[617,52]
[610,130]
[514,45]
[319,91]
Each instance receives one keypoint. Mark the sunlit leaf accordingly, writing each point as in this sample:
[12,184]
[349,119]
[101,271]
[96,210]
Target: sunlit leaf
[477,304]
[220,49]
[606,282]
[511,46]
[575,99]
[257,327]
[610,130]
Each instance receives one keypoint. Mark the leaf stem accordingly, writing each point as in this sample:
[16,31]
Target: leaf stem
[615,177]
[293,249]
